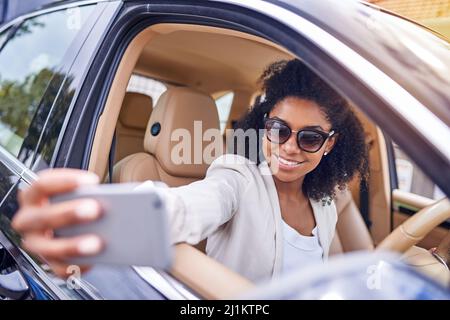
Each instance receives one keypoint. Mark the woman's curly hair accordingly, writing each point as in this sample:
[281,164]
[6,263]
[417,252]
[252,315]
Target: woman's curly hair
[349,157]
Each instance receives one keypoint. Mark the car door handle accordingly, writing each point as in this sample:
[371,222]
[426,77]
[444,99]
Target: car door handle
[12,283]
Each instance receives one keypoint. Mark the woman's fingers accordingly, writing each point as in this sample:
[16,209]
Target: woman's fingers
[37,218]
[58,249]
[54,216]
[54,181]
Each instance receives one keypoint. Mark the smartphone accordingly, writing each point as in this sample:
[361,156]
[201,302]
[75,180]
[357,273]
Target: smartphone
[133,226]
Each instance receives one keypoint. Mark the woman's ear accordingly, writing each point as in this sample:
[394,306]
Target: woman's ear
[331,142]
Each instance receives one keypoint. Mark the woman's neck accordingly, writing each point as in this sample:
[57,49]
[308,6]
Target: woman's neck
[289,190]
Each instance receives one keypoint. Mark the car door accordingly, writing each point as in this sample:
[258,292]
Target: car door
[302,29]
[36,53]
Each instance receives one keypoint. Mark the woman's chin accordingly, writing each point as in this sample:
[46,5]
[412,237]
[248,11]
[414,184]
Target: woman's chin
[286,175]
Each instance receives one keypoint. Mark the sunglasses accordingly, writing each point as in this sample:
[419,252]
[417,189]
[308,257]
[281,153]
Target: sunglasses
[308,140]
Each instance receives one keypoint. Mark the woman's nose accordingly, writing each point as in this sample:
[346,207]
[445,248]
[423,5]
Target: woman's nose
[290,146]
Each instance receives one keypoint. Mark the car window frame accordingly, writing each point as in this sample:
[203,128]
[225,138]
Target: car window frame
[90,105]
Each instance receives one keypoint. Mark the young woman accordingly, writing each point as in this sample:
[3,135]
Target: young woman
[261,218]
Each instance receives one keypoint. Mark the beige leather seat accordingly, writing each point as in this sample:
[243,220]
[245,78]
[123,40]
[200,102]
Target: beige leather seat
[178,108]
[133,119]
[351,231]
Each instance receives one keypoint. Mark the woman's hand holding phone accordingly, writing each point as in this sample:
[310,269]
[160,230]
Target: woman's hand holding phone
[37,218]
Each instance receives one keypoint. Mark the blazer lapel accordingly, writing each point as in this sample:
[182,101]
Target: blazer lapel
[272,191]
[322,226]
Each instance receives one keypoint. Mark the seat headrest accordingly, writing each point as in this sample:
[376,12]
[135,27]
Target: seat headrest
[136,110]
[178,108]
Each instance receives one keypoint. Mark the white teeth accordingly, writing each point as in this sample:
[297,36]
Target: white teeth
[287,162]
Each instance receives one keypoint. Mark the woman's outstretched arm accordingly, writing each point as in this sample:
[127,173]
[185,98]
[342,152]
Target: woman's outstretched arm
[194,210]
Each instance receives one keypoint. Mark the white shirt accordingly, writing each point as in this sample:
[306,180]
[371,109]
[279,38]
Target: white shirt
[236,207]
[300,250]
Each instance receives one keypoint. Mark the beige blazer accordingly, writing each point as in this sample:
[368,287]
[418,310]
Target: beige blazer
[236,207]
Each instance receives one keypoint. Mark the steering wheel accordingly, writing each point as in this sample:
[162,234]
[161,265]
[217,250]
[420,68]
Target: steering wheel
[417,227]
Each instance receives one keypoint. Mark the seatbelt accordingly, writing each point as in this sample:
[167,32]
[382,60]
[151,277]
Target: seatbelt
[111,157]
[364,202]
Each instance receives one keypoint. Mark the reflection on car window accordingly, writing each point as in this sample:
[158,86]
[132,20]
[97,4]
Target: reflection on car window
[411,179]
[28,63]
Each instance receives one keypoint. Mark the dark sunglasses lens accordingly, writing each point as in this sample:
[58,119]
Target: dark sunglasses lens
[310,141]
[277,132]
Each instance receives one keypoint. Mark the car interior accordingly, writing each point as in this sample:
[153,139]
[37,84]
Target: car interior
[198,65]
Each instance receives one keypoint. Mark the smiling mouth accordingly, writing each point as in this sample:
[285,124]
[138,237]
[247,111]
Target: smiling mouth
[288,163]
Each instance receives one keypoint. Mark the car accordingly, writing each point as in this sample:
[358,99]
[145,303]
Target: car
[80,80]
